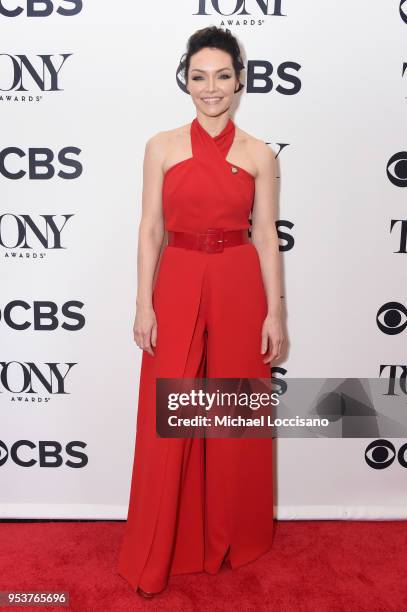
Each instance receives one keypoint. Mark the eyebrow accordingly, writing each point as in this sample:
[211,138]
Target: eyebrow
[199,70]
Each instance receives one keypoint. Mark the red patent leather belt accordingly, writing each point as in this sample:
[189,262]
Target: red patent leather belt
[212,241]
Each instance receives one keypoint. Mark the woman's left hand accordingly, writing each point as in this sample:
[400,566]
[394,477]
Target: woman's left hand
[272,334]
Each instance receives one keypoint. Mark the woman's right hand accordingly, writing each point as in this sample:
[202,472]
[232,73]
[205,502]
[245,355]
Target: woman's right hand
[145,329]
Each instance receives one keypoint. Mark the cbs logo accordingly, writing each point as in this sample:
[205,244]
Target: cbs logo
[380,454]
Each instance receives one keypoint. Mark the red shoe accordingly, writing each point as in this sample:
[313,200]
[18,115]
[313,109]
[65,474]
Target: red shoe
[145,594]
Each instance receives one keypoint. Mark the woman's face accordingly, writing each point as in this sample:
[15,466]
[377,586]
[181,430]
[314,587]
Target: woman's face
[211,81]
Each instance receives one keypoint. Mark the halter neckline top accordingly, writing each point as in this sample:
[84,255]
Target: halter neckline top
[207,191]
[223,140]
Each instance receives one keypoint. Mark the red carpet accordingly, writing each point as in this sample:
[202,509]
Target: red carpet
[315,566]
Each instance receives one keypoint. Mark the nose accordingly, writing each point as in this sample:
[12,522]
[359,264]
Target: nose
[211,83]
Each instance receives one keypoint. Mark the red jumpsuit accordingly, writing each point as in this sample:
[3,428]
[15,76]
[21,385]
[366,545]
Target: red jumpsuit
[196,502]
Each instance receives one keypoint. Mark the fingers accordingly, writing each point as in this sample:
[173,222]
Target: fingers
[146,339]
[264,342]
[154,336]
[276,349]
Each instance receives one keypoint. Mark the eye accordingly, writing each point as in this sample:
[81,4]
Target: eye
[196,78]
[397,169]
[380,454]
[225,76]
[391,318]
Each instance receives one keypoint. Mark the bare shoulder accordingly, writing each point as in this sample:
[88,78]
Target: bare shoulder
[259,152]
[161,145]
[167,138]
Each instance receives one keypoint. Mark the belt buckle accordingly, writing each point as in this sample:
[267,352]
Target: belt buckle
[212,241]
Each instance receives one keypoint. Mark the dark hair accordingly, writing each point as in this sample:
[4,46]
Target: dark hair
[214,37]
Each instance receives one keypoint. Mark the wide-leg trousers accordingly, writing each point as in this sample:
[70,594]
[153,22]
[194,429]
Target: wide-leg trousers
[197,502]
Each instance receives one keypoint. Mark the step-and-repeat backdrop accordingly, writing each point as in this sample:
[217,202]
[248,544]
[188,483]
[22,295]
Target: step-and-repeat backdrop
[83,85]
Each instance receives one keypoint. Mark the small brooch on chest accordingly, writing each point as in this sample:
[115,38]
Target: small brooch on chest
[234,169]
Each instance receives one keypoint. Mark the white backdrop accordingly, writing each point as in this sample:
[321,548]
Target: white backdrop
[334,116]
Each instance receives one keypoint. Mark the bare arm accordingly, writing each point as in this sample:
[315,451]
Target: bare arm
[150,242]
[265,239]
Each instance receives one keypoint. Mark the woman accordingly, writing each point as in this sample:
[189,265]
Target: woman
[213,312]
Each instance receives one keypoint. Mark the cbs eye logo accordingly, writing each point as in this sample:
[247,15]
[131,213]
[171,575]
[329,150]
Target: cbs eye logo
[396,168]
[380,454]
[403,10]
[391,318]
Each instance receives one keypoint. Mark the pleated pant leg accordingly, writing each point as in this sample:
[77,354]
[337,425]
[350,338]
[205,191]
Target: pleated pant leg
[239,472]
[178,544]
